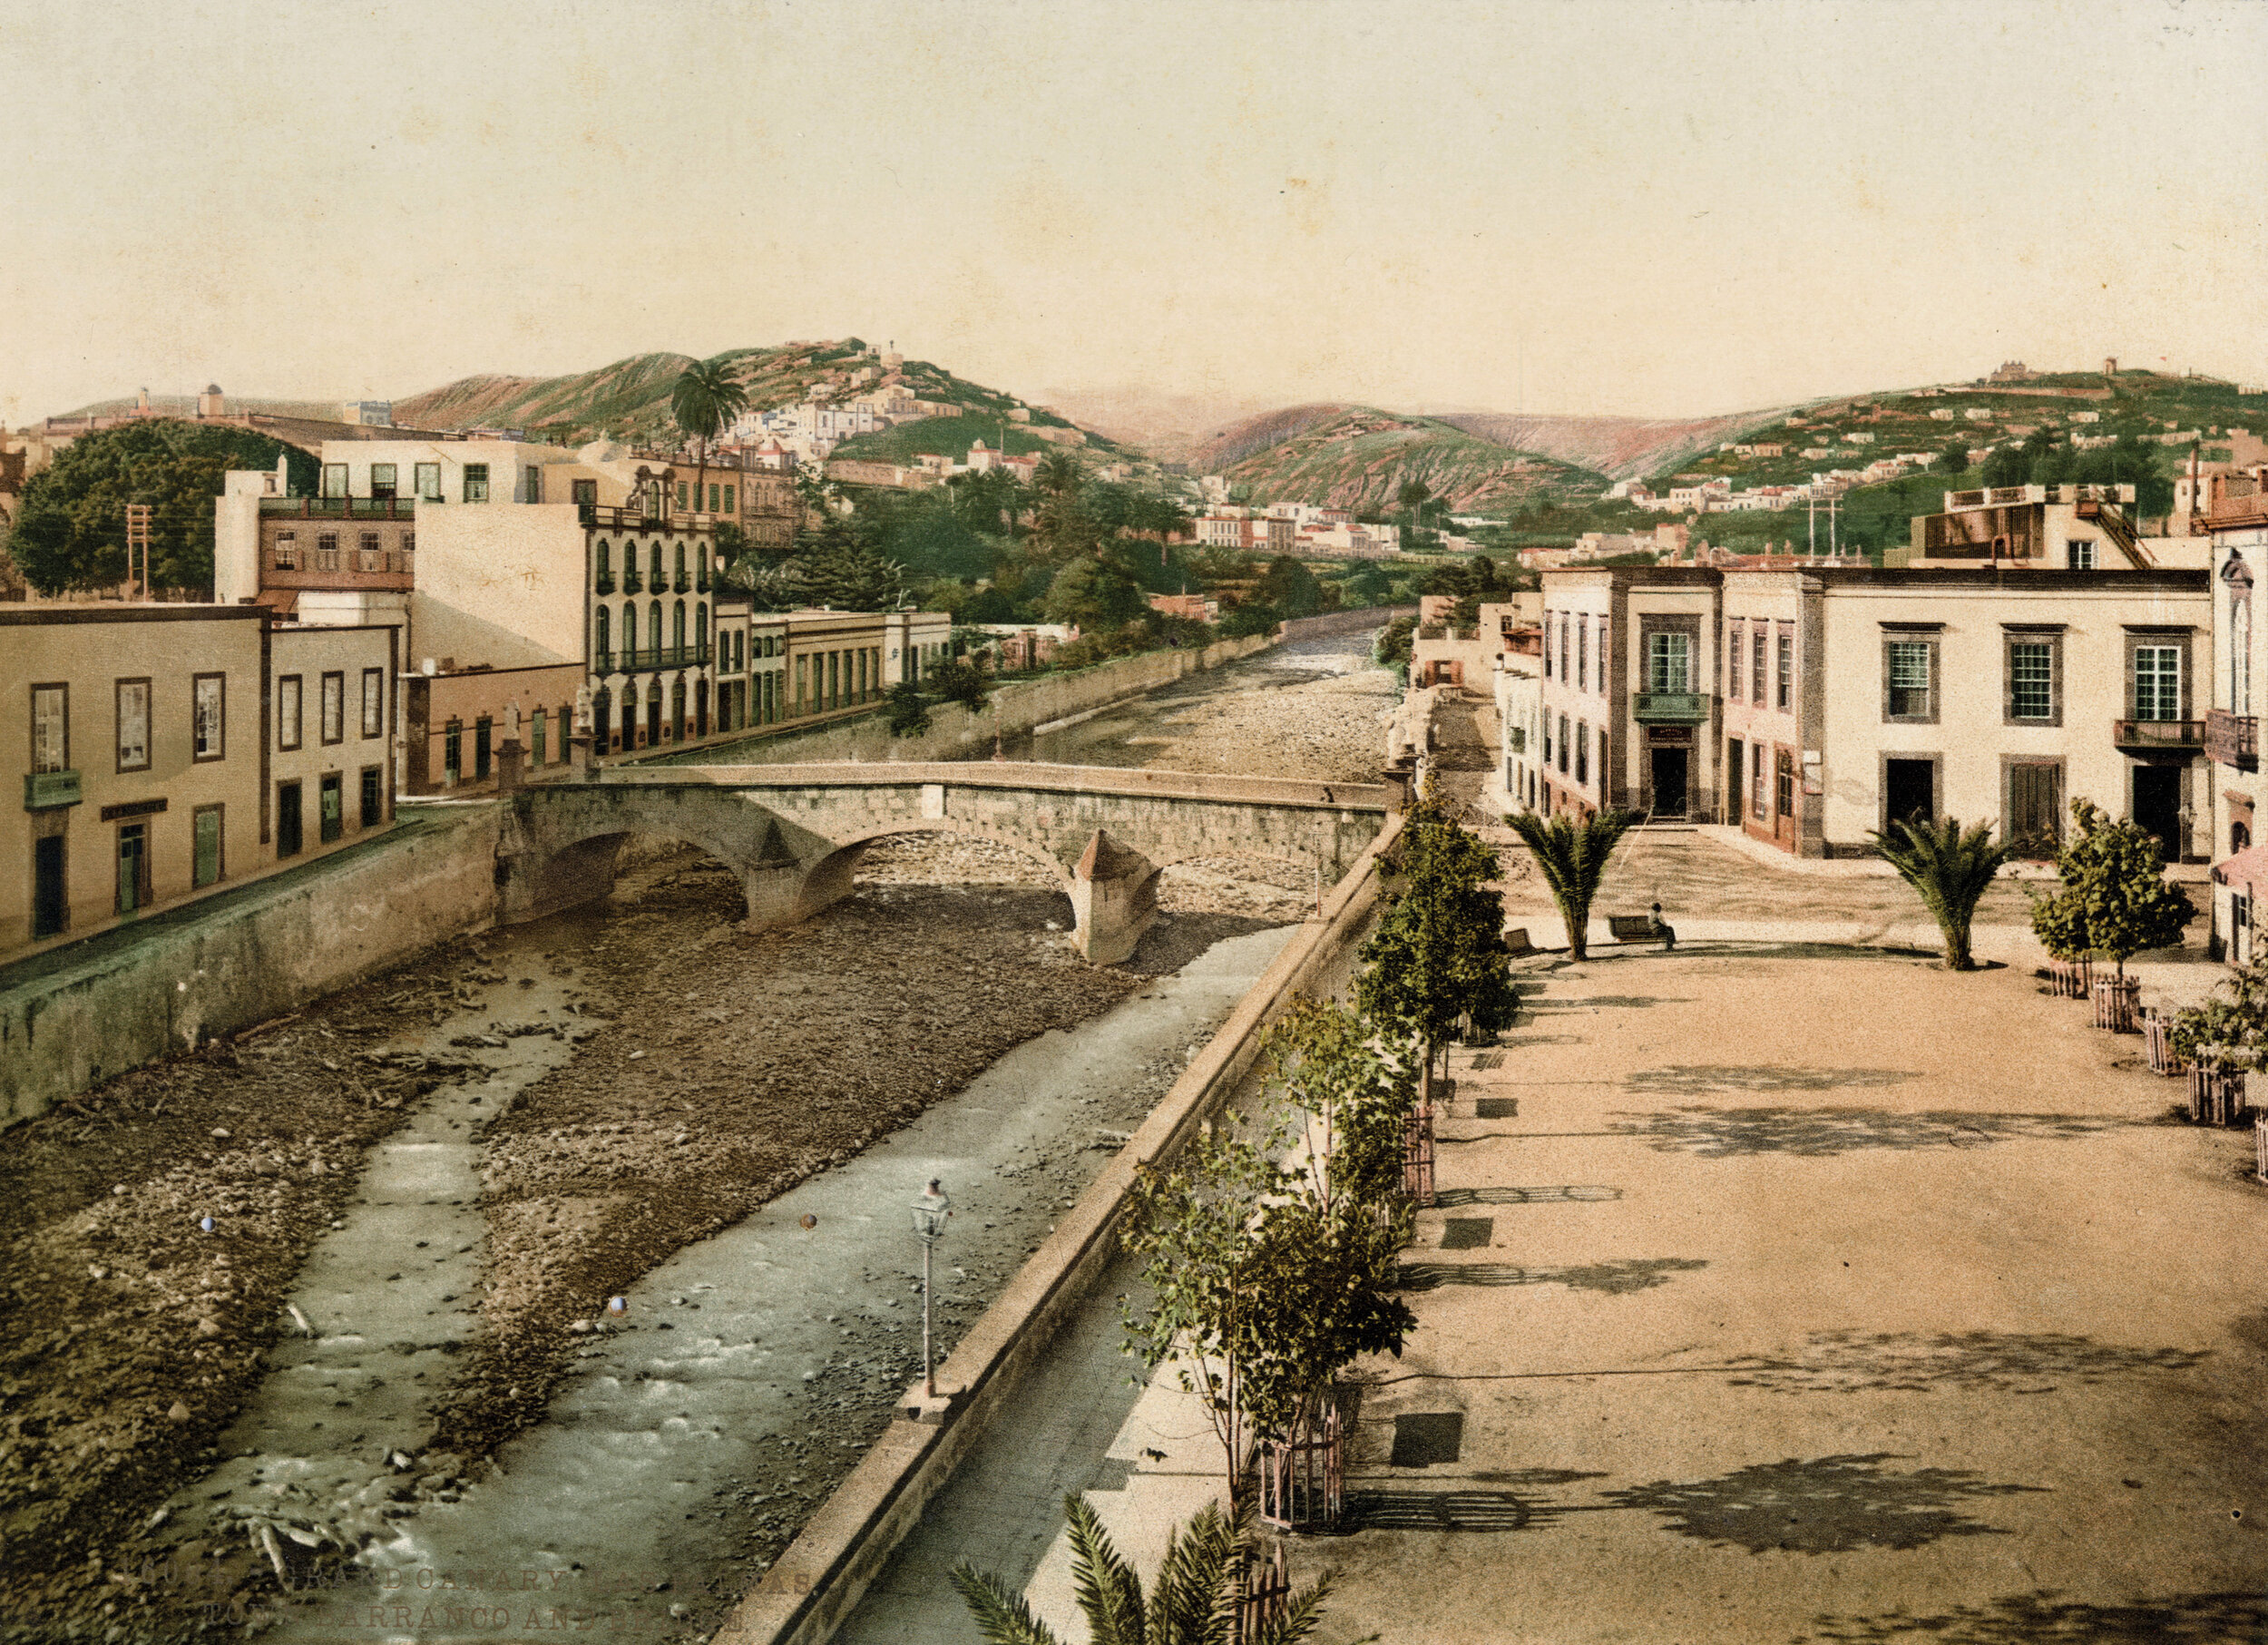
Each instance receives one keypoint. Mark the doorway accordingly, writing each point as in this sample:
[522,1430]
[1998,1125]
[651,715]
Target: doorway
[49,902]
[2035,809]
[2157,807]
[1909,791]
[288,819]
[1669,781]
[134,867]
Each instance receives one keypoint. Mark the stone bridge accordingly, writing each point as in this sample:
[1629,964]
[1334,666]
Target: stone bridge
[794,833]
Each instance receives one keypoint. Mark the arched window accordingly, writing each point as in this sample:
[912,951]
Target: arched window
[680,565]
[653,621]
[701,623]
[605,567]
[602,646]
[657,566]
[630,633]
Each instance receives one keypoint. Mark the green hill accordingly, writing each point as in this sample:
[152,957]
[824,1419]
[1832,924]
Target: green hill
[1359,458]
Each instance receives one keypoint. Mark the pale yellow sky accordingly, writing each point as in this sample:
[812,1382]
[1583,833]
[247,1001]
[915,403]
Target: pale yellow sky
[1659,208]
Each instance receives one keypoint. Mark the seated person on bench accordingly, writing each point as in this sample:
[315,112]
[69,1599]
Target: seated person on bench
[1662,930]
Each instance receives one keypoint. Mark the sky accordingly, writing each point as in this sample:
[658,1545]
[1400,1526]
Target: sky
[1627,207]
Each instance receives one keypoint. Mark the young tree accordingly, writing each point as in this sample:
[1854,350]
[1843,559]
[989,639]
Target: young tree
[1262,1292]
[1194,1594]
[1348,1082]
[2115,899]
[1573,858]
[703,402]
[1438,957]
[1949,870]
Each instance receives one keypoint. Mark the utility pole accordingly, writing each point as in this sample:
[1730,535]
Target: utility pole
[138,544]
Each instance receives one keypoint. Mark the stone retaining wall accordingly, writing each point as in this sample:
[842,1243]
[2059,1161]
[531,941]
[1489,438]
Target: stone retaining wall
[955,733]
[818,1583]
[71,1016]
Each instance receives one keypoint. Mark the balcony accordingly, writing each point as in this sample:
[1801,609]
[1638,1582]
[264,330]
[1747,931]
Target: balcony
[602,662]
[46,791]
[631,584]
[1672,708]
[339,508]
[604,585]
[2232,739]
[2180,736]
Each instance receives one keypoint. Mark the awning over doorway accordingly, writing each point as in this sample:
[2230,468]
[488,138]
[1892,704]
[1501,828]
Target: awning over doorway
[2245,870]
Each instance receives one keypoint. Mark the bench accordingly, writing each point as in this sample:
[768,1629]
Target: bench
[1639,928]
[1517,941]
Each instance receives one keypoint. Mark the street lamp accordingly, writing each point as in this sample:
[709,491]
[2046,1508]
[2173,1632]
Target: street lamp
[930,1212]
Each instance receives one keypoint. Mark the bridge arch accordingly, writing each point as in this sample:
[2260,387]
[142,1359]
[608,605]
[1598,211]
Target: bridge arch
[794,833]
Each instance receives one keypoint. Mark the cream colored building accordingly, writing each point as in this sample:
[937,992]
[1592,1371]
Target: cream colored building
[170,751]
[1811,707]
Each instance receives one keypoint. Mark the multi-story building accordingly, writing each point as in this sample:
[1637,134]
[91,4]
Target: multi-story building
[171,750]
[1812,706]
[2235,512]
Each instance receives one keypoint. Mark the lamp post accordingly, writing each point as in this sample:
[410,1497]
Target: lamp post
[930,1212]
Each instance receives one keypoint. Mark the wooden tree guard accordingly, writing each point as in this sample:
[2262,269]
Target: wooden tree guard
[2158,1033]
[1302,1476]
[2117,1003]
[2260,1147]
[2217,1095]
[1417,1154]
[2069,979]
[1264,1591]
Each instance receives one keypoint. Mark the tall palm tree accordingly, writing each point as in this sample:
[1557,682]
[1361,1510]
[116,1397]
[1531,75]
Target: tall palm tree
[1573,857]
[1192,1602]
[1950,869]
[703,403]
[1059,474]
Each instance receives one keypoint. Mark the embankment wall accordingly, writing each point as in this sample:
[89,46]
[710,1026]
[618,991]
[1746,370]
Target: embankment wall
[818,1583]
[71,1016]
[955,733]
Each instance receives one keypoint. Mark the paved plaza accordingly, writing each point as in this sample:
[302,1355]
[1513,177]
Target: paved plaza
[1805,1295]
[1775,1293]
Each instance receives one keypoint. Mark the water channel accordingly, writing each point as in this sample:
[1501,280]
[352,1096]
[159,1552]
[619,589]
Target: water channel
[721,1395]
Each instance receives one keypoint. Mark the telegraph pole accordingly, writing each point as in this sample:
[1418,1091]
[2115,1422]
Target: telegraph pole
[138,544]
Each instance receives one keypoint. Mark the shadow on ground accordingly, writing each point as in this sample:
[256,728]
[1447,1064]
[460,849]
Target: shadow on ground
[1846,1362]
[1571,1193]
[2044,1619]
[1703,1079]
[1717,1134]
[1616,1278]
[1831,1504]
[1172,944]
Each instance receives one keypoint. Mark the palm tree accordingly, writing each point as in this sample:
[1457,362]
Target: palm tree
[1059,474]
[1573,857]
[1950,869]
[704,402]
[1193,1601]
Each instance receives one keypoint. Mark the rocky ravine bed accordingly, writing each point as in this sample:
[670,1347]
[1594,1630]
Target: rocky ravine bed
[711,1069]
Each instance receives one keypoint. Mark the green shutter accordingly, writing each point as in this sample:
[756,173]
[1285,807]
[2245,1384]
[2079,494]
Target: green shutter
[208,840]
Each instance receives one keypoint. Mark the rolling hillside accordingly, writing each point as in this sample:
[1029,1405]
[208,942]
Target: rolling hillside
[1359,458]
[629,399]
[1621,449]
